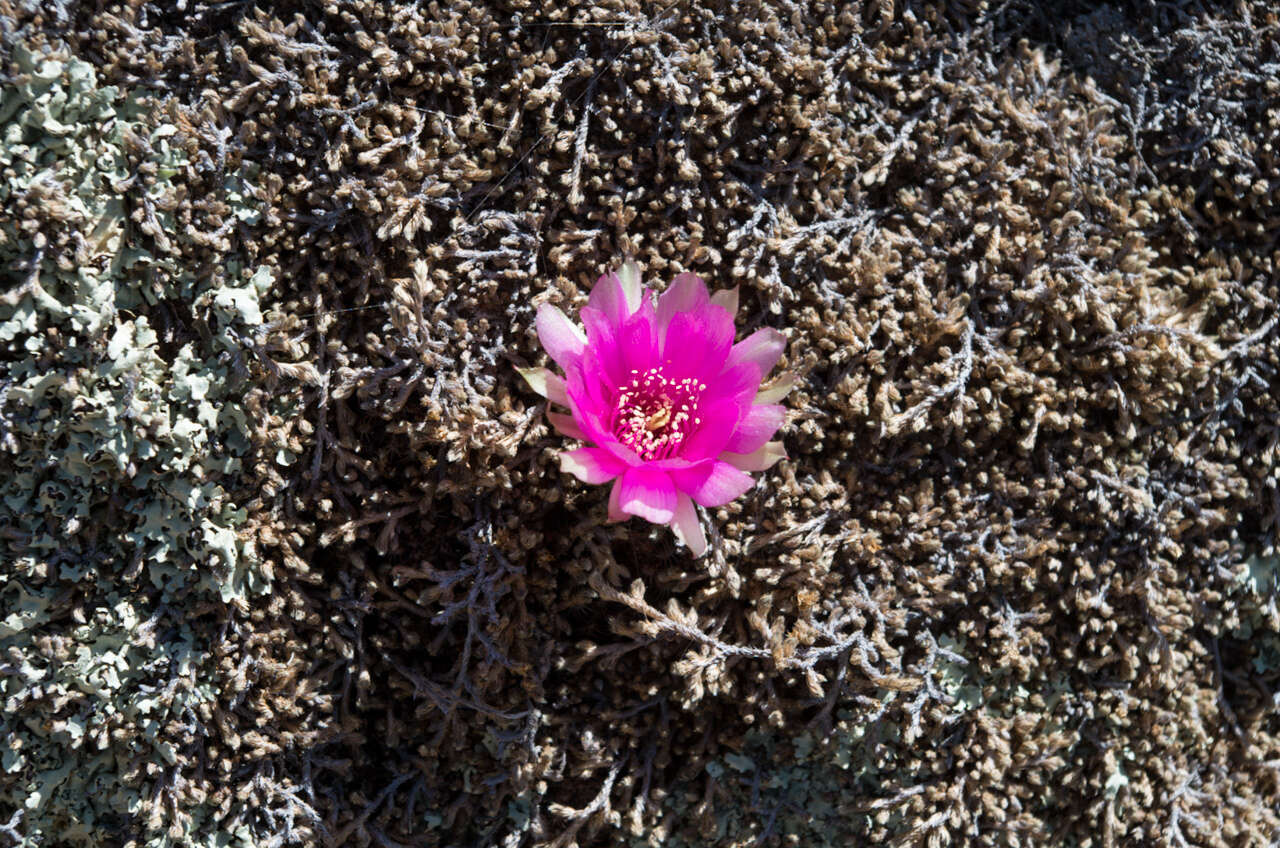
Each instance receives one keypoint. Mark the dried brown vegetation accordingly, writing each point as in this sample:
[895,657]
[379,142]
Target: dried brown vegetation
[1027,262]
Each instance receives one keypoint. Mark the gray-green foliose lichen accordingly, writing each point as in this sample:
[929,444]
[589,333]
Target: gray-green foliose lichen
[116,440]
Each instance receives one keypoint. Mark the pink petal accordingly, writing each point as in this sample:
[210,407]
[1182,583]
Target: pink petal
[546,383]
[591,465]
[697,343]
[648,493]
[760,459]
[560,337]
[624,454]
[566,425]
[672,464]
[687,527]
[715,427]
[712,483]
[756,427]
[763,347]
[638,339]
[593,385]
[592,416]
[617,350]
[686,293]
[738,383]
[604,351]
[617,295]
[590,410]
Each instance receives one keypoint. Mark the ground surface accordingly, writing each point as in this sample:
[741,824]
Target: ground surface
[287,554]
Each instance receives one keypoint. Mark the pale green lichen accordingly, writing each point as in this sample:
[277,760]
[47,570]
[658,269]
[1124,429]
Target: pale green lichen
[1261,575]
[1257,583]
[115,444]
[956,679]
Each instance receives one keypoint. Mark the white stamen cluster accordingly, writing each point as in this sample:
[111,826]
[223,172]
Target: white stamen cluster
[654,414]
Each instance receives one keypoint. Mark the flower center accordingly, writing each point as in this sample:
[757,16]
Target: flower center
[654,414]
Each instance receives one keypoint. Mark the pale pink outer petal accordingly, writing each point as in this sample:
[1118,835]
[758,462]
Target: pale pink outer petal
[617,295]
[648,493]
[632,287]
[615,502]
[712,483]
[686,293]
[563,340]
[727,299]
[687,527]
[557,389]
[591,465]
[606,296]
[547,383]
[777,390]
[566,425]
[758,460]
[756,428]
[763,347]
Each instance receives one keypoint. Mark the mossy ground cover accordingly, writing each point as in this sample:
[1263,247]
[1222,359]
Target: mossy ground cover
[287,556]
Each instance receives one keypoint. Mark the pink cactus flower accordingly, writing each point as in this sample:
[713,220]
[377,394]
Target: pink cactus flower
[670,408]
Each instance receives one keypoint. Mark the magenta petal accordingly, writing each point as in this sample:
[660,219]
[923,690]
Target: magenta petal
[560,337]
[756,427]
[686,293]
[617,351]
[604,353]
[712,483]
[638,340]
[717,421]
[648,493]
[697,343]
[671,464]
[763,347]
[592,385]
[591,418]
[591,465]
[738,383]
